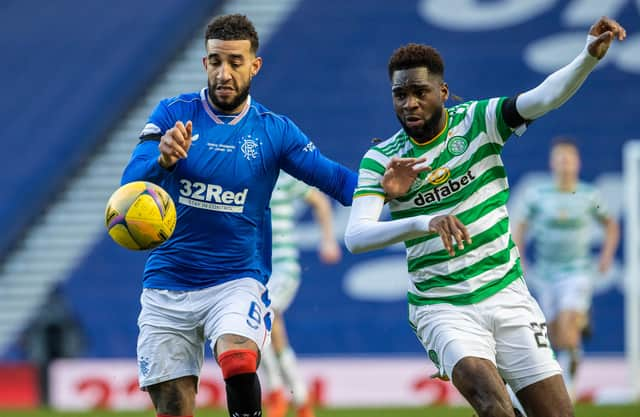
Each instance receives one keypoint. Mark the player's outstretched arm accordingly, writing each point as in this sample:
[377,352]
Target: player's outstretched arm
[558,87]
[329,250]
[365,232]
[301,159]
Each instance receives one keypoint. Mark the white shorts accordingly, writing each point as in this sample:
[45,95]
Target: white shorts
[565,292]
[283,287]
[174,326]
[508,329]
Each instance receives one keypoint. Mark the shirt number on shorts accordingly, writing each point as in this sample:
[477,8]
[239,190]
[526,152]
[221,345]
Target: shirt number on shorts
[540,334]
[255,315]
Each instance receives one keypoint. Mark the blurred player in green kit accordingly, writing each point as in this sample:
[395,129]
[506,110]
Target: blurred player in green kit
[559,214]
[279,364]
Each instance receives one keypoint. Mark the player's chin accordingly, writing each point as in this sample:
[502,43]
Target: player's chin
[414,132]
[226,98]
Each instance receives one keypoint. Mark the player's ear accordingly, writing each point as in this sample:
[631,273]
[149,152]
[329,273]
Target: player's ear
[444,91]
[204,62]
[255,66]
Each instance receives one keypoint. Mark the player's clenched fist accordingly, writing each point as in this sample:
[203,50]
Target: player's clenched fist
[450,228]
[605,30]
[175,144]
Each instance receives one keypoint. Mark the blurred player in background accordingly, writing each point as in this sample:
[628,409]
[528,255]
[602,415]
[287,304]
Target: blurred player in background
[218,153]
[279,364]
[468,302]
[559,215]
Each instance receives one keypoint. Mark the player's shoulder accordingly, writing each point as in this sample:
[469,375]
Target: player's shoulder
[541,189]
[183,100]
[269,116]
[378,156]
[461,108]
[168,110]
[392,146]
[472,106]
[584,187]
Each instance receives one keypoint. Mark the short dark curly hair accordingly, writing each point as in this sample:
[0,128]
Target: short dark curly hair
[233,27]
[415,55]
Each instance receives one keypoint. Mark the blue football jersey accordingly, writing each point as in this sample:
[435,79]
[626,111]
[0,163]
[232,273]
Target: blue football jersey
[223,188]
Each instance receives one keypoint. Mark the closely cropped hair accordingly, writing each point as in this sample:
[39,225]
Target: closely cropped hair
[564,140]
[415,55]
[233,27]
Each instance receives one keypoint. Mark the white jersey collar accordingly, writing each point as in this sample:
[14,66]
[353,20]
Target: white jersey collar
[204,98]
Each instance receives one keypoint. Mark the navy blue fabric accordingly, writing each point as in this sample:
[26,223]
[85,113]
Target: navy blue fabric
[70,69]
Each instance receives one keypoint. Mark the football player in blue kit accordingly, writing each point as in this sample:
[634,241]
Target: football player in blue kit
[218,153]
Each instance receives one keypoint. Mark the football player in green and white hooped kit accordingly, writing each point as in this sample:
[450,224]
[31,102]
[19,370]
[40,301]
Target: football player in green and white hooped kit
[468,302]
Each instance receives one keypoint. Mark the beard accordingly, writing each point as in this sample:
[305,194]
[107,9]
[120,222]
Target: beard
[429,129]
[231,105]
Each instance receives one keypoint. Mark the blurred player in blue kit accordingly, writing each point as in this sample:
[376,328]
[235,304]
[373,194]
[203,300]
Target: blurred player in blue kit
[218,153]
[559,214]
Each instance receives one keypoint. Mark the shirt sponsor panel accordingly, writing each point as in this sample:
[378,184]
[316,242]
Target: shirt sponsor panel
[211,197]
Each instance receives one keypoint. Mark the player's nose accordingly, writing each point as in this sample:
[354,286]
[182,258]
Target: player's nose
[224,73]
[410,103]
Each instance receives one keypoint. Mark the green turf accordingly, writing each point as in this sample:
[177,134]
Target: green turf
[581,411]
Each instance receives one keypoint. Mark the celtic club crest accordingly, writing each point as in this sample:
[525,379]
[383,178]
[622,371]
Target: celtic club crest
[457,145]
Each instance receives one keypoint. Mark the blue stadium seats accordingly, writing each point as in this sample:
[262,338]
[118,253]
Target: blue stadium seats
[70,69]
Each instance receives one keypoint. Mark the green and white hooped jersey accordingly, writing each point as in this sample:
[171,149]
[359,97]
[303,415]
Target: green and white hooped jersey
[468,179]
[561,224]
[286,192]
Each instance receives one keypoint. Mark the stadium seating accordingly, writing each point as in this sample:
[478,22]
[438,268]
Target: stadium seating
[70,70]
[326,69]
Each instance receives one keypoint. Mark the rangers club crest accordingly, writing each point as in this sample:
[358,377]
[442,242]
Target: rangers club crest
[249,147]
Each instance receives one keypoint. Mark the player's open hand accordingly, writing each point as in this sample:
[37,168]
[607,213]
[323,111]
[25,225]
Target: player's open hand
[450,228]
[175,144]
[605,30]
[400,174]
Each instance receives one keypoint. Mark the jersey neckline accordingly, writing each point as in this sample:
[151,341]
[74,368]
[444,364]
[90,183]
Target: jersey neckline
[204,99]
